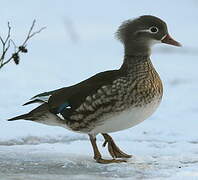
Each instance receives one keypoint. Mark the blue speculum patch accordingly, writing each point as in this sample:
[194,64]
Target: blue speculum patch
[62,107]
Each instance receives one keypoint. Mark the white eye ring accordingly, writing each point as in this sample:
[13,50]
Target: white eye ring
[153,30]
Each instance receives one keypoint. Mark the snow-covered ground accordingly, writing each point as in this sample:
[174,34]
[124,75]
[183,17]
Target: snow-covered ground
[164,147]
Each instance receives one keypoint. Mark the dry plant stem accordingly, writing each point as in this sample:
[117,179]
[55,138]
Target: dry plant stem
[8,40]
[5,45]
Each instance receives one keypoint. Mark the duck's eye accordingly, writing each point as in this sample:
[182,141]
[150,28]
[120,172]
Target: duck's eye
[153,29]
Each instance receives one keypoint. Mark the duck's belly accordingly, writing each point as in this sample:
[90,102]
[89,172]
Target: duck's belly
[126,119]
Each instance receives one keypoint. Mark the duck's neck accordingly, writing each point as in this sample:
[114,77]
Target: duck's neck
[136,63]
[137,48]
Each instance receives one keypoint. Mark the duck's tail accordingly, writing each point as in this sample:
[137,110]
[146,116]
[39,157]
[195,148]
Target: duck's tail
[33,115]
[41,114]
[23,116]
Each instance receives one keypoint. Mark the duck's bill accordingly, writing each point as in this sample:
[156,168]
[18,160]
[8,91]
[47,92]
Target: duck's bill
[167,39]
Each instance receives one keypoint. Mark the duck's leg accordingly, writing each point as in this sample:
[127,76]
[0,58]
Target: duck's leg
[97,155]
[113,148]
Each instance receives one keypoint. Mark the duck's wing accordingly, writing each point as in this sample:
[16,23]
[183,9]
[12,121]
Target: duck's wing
[54,102]
[74,96]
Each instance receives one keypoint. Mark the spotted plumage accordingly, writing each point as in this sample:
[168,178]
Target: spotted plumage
[112,100]
[133,89]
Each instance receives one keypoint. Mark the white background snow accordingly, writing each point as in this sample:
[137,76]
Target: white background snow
[79,42]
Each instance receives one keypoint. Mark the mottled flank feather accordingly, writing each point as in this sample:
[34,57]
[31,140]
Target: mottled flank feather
[135,89]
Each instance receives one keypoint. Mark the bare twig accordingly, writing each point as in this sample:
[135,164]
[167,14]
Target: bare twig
[9,30]
[17,49]
[5,44]
[31,34]
[13,43]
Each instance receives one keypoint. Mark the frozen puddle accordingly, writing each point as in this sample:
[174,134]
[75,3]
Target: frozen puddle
[74,161]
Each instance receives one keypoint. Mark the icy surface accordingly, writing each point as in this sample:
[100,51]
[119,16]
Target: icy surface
[163,147]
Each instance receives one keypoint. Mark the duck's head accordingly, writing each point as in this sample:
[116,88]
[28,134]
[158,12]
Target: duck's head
[140,34]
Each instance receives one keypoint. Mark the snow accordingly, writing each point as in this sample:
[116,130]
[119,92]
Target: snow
[165,146]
